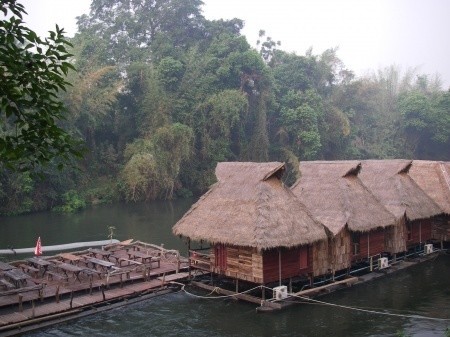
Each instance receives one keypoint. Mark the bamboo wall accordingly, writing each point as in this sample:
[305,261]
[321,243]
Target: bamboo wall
[341,250]
[321,257]
[395,237]
[242,263]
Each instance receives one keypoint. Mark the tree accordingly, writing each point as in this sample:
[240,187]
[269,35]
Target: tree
[32,73]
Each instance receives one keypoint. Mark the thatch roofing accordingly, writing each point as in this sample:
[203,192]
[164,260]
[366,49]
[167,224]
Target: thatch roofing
[390,182]
[334,194]
[249,206]
[433,177]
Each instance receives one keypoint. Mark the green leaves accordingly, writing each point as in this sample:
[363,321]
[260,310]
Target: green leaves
[31,77]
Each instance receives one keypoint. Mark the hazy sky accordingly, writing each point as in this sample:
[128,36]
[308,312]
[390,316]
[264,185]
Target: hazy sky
[370,34]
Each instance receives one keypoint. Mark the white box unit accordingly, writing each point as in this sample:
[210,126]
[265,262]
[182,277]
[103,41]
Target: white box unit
[383,263]
[280,292]
[428,248]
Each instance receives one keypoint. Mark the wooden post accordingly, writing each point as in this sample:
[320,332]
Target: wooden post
[290,285]
[90,286]
[371,263]
[102,287]
[57,294]
[20,303]
[144,273]
[32,309]
[71,299]
[189,257]
[279,265]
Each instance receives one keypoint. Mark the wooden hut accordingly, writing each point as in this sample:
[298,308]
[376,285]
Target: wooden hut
[333,193]
[433,177]
[257,229]
[390,182]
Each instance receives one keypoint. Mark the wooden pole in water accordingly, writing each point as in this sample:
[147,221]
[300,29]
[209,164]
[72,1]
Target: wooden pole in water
[57,294]
[189,257]
[102,287]
[32,309]
[20,303]
[279,265]
[71,299]
[90,285]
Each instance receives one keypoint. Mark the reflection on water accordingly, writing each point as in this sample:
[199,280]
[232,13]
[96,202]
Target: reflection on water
[149,222]
[421,290]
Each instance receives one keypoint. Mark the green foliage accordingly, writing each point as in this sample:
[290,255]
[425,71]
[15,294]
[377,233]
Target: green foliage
[300,117]
[71,202]
[169,73]
[162,95]
[153,166]
[32,74]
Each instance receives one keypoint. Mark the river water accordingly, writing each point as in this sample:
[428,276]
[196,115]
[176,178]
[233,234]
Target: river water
[422,290]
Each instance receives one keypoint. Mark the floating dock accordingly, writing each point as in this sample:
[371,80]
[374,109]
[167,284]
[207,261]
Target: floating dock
[37,292]
[268,304]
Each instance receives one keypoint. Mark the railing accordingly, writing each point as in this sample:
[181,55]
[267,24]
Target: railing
[200,260]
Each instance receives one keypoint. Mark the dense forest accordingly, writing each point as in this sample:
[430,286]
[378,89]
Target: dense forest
[161,95]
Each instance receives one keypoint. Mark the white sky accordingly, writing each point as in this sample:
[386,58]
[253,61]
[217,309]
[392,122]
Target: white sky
[370,34]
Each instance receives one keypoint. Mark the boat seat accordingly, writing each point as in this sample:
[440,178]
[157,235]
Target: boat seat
[7,285]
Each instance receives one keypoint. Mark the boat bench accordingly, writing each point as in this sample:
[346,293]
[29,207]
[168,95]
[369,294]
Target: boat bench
[51,275]
[7,285]
[29,269]
[91,272]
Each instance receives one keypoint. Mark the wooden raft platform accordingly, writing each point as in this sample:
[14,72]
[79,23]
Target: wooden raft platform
[63,286]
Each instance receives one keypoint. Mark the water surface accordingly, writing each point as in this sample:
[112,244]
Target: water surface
[422,290]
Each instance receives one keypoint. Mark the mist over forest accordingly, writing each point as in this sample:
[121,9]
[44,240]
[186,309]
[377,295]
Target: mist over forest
[161,95]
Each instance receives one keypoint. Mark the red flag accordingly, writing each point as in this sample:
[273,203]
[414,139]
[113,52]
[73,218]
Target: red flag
[38,248]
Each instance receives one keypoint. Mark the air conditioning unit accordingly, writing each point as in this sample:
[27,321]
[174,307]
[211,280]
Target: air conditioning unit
[280,292]
[428,248]
[383,263]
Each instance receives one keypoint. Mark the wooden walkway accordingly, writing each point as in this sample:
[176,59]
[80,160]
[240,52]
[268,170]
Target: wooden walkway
[135,270]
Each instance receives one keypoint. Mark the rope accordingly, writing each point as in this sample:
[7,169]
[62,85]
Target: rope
[209,297]
[369,311]
[309,300]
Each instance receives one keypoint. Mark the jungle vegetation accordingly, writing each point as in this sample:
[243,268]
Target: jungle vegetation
[162,94]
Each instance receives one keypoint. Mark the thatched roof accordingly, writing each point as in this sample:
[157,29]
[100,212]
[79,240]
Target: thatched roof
[333,193]
[249,206]
[433,177]
[390,182]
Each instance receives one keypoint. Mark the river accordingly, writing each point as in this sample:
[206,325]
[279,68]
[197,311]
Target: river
[422,290]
